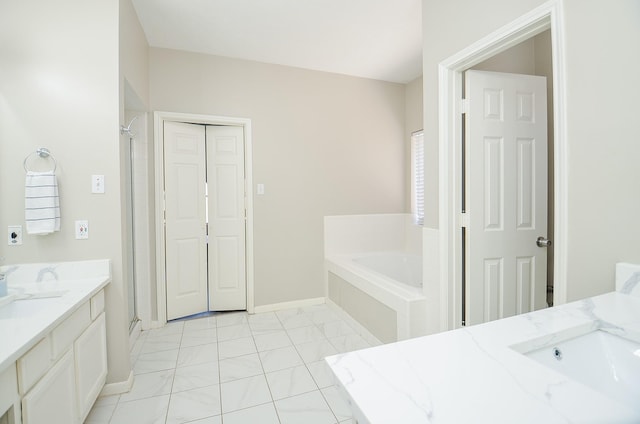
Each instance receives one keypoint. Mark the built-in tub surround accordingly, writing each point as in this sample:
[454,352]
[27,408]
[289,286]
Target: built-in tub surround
[374,273]
[482,373]
[405,268]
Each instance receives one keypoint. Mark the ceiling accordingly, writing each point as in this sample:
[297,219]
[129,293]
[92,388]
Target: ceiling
[378,39]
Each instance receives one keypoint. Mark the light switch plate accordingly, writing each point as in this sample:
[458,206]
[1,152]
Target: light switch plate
[97,184]
[82,229]
[260,189]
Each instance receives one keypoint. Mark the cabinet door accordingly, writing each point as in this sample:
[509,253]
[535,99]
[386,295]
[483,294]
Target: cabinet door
[9,397]
[51,399]
[91,364]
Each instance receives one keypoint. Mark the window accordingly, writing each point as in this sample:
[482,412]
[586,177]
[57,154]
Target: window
[417,177]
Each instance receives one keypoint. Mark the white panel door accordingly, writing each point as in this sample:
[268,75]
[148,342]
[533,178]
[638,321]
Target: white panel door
[506,194]
[226,211]
[185,221]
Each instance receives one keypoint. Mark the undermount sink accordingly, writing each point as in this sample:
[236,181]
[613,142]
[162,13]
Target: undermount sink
[25,303]
[41,294]
[603,361]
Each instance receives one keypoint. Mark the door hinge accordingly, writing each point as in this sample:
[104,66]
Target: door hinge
[464,106]
[464,220]
[164,207]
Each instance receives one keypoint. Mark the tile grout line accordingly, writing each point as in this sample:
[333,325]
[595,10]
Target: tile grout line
[264,374]
[219,373]
[254,333]
[166,416]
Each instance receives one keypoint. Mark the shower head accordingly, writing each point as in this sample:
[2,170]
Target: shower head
[127,129]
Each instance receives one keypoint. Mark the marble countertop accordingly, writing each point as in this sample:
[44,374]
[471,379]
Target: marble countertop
[24,322]
[477,374]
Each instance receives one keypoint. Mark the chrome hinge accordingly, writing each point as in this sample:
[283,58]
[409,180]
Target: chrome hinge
[464,106]
[164,207]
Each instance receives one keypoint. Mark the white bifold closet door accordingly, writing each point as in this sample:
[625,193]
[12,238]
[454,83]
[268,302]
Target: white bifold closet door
[506,194]
[201,274]
[226,210]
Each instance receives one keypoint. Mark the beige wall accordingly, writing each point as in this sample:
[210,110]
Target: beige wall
[134,53]
[519,59]
[59,89]
[323,144]
[600,40]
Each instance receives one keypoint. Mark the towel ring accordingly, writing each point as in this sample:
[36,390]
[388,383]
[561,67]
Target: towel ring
[43,152]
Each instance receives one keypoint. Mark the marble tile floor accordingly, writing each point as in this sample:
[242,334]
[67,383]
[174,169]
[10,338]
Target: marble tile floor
[236,368]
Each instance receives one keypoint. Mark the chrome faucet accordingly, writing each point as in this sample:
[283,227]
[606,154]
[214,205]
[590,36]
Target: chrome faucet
[44,271]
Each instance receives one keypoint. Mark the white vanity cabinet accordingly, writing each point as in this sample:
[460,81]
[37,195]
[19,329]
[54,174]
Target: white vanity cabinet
[9,396]
[60,378]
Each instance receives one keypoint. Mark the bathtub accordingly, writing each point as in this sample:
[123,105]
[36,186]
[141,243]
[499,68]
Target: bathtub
[382,291]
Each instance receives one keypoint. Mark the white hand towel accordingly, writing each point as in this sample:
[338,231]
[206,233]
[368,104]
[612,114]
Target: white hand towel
[41,203]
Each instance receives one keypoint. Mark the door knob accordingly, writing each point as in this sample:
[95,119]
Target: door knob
[543,242]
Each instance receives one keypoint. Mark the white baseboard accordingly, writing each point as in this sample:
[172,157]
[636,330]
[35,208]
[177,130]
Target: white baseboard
[289,305]
[360,329]
[155,324]
[119,387]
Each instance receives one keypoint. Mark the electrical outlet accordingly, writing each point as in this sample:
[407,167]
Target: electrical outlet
[14,233]
[82,229]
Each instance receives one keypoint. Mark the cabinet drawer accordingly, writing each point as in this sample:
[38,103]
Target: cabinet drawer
[97,304]
[33,364]
[65,334]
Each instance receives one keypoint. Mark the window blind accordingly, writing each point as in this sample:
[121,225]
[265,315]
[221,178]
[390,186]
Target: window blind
[417,177]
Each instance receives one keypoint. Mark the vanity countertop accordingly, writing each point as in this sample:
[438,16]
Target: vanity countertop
[24,322]
[474,374]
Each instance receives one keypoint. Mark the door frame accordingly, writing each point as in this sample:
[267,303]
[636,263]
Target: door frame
[159,118]
[546,16]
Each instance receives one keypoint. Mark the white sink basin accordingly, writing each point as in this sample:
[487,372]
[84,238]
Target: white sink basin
[26,308]
[605,362]
[27,303]
[41,294]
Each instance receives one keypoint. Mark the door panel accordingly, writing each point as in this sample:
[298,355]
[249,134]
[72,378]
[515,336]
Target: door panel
[494,184]
[226,205]
[493,287]
[186,261]
[506,194]
[526,199]
[526,278]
